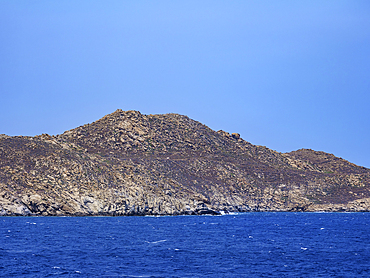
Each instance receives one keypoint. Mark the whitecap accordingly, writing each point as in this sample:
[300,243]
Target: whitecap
[136,276]
[163,240]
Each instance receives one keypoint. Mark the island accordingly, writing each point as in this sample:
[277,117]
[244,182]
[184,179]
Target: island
[128,163]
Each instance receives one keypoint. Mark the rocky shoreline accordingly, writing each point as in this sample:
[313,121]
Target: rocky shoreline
[22,209]
[128,163]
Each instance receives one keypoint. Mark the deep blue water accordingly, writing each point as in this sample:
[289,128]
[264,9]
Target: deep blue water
[242,245]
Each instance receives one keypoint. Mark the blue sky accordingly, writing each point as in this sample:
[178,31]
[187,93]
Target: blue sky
[283,74]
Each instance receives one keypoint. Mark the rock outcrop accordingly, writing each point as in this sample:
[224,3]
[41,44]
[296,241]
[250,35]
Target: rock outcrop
[128,163]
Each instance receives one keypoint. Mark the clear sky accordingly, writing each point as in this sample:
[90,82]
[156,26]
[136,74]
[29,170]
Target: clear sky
[283,74]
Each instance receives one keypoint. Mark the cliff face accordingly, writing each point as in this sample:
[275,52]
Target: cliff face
[128,163]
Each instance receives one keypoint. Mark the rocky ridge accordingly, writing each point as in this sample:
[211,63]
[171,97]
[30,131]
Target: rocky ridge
[128,163]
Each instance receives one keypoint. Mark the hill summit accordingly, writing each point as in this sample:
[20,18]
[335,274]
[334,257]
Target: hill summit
[128,163]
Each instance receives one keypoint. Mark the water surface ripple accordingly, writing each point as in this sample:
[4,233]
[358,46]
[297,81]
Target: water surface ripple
[241,245]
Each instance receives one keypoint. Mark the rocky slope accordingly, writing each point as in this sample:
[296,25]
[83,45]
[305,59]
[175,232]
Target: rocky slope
[128,163]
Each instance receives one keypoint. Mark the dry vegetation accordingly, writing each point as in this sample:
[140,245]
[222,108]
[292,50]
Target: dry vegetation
[128,163]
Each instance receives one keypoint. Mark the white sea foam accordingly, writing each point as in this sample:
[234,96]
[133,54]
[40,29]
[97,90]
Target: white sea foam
[136,276]
[153,242]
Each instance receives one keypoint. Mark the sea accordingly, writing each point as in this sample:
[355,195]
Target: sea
[261,244]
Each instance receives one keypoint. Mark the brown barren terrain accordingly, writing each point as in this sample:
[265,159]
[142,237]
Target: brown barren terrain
[128,163]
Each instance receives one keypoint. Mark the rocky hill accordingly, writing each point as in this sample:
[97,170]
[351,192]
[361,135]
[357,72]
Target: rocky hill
[128,163]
